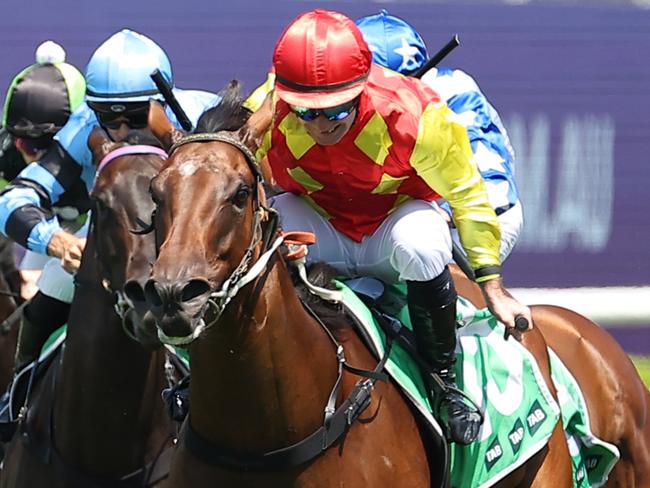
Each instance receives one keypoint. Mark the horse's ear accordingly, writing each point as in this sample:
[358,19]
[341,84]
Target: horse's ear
[161,127]
[253,131]
[99,143]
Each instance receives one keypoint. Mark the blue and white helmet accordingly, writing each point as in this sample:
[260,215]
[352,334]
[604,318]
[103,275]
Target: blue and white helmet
[119,70]
[394,42]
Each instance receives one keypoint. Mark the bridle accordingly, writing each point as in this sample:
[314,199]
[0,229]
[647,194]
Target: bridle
[337,421]
[123,304]
[245,272]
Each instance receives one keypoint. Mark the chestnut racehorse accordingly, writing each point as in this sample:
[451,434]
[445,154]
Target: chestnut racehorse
[263,367]
[96,416]
[617,400]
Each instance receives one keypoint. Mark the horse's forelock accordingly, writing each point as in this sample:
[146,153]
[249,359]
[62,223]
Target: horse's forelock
[228,115]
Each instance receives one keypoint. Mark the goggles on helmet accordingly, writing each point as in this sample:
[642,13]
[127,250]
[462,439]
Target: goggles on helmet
[112,115]
[332,114]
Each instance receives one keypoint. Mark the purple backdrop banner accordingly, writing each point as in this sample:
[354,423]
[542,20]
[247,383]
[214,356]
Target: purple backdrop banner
[571,83]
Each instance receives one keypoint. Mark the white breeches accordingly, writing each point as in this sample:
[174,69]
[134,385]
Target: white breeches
[413,243]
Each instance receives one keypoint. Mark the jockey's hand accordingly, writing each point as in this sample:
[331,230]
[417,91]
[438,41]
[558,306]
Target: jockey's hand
[504,306]
[68,248]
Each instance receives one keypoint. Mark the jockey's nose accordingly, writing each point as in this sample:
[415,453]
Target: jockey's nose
[322,123]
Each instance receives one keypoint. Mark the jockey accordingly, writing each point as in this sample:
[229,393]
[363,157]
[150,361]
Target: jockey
[118,91]
[363,153]
[395,44]
[39,102]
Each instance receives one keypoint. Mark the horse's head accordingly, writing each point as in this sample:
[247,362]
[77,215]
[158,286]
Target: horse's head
[208,221]
[121,199]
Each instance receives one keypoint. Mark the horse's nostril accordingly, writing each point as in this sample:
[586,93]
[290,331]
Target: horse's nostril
[151,294]
[133,290]
[195,288]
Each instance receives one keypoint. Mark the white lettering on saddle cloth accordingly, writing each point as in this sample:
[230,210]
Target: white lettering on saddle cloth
[517,436]
[536,417]
[494,453]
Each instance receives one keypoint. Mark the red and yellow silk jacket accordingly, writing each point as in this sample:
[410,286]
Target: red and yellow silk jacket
[404,144]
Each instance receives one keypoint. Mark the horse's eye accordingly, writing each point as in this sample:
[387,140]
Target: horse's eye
[239,199]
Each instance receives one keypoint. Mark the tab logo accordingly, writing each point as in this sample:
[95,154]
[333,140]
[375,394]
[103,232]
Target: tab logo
[592,462]
[493,454]
[535,418]
[516,435]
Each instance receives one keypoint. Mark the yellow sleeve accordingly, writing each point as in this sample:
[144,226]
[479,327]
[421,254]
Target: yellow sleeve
[253,103]
[256,99]
[443,158]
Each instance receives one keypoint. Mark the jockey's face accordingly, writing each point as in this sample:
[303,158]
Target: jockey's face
[120,133]
[327,126]
[119,119]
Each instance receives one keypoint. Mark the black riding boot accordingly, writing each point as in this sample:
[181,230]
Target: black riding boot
[432,307]
[41,317]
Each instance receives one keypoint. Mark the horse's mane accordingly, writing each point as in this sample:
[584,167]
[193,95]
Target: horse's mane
[228,115]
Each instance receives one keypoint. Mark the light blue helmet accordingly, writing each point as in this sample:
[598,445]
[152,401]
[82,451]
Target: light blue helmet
[394,42]
[119,70]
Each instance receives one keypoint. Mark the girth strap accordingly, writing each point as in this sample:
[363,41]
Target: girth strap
[335,424]
[290,456]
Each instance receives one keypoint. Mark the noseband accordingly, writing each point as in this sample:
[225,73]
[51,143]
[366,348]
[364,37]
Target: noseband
[244,273]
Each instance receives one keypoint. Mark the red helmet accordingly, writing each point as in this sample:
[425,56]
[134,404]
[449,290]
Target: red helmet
[321,60]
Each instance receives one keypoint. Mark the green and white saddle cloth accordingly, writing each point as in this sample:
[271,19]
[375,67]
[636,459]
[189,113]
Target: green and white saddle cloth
[504,380]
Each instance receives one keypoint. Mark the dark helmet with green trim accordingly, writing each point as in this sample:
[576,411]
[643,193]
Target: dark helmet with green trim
[41,97]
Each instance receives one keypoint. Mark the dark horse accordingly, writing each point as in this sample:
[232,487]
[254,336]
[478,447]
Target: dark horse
[96,416]
[617,400]
[263,367]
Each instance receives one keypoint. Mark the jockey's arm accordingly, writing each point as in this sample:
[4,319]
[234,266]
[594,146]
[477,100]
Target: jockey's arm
[442,157]
[257,135]
[25,206]
[257,98]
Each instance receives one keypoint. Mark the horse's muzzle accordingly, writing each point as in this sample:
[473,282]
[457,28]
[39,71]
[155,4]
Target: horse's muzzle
[177,306]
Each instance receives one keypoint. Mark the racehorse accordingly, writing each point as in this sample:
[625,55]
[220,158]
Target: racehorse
[263,367]
[96,419]
[617,399]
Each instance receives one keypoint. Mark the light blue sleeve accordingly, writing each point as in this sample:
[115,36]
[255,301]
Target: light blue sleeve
[194,103]
[73,137]
[489,140]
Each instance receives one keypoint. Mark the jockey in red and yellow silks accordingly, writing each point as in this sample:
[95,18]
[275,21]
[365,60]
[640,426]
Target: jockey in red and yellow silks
[363,153]
[394,152]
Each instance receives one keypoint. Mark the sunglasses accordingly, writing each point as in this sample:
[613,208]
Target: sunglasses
[113,115]
[332,114]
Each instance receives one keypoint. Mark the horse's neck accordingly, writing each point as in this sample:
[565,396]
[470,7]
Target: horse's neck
[261,379]
[108,390]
